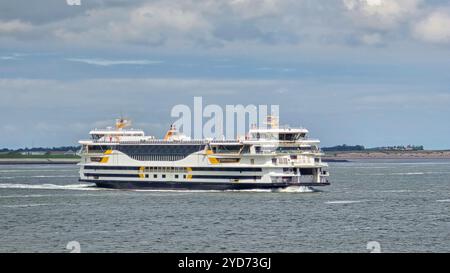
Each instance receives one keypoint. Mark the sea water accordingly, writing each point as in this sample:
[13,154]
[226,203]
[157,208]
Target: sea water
[402,206]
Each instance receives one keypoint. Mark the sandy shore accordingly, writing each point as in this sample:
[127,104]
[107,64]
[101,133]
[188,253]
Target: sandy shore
[388,155]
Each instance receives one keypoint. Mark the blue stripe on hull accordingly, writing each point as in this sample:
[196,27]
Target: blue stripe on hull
[194,185]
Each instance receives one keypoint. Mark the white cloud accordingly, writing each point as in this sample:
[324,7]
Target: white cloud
[381,14]
[25,104]
[435,28]
[104,62]
[372,39]
[14,26]
[251,9]
[151,24]
[222,25]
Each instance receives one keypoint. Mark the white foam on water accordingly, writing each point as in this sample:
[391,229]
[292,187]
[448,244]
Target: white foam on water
[297,189]
[50,186]
[198,191]
[443,200]
[407,173]
[411,173]
[47,195]
[169,190]
[293,189]
[251,190]
[37,170]
[345,201]
[26,205]
[26,196]
[39,176]
[395,191]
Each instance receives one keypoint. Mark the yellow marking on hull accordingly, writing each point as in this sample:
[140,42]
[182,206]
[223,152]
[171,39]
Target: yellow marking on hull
[141,172]
[209,152]
[108,152]
[189,169]
[104,159]
[189,176]
[213,160]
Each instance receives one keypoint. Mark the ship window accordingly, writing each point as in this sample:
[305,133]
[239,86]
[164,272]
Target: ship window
[155,176]
[184,176]
[306,171]
[176,176]
[146,176]
[252,161]
[163,176]
[288,137]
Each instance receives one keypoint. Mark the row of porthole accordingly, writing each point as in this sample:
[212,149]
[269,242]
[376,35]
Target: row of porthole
[164,176]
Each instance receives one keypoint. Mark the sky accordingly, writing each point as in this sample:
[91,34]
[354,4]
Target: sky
[369,72]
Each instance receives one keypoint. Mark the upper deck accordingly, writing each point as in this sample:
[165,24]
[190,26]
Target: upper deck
[271,136]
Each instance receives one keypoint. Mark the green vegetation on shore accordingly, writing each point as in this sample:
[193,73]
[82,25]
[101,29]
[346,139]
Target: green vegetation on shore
[64,152]
[356,148]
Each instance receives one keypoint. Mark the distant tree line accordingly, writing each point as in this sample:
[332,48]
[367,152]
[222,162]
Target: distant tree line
[348,148]
[344,147]
[399,148]
[41,149]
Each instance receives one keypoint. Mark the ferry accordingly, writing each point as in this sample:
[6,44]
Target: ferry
[272,157]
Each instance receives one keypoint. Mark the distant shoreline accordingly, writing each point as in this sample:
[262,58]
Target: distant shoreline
[328,157]
[16,161]
[355,155]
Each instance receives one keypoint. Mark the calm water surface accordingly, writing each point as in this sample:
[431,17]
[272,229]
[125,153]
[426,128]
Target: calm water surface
[403,205]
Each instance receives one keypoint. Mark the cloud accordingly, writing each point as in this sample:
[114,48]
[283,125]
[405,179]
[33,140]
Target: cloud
[381,14]
[435,28]
[354,113]
[213,25]
[372,39]
[248,9]
[11,57]
[150,24]
[14,26]
[104,62]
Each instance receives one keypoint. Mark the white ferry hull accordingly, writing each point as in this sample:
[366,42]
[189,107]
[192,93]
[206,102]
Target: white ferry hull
[176,185]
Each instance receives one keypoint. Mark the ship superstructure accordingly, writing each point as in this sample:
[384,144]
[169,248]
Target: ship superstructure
[266,158]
